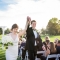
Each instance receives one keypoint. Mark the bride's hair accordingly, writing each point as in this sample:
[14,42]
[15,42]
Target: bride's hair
[14,26]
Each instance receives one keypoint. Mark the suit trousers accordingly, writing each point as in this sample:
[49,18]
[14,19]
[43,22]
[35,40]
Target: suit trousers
[32,54]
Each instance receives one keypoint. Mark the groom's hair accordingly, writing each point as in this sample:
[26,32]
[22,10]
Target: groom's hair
[33,21]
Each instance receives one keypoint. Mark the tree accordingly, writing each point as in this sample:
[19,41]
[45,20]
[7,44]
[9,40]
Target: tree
[7,31]
[53,26]
[43,31]
[0,31]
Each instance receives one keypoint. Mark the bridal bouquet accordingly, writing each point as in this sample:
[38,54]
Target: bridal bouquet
[7,41]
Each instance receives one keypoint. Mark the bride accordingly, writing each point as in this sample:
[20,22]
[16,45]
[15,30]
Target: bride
[12,51]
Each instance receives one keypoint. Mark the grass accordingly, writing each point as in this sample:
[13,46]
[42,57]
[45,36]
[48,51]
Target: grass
[52,38]
[2,52]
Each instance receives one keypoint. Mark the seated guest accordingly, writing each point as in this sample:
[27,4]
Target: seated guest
[23,42]
[46,45]
[58,47]
[47,50]
[52,50]
[55,42]
[23,49]
[46,42]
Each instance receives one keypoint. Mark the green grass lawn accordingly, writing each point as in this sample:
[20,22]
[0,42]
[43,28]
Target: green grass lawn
[52,38]
[2,52]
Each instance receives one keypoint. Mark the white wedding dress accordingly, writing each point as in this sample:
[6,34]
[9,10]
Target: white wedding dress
[12,51]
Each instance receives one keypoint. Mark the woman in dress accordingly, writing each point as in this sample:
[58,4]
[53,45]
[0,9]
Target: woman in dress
[12,51]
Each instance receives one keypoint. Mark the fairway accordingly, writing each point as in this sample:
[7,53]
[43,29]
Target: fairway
[2,52]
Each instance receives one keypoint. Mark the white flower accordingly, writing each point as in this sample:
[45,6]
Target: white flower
[7,39]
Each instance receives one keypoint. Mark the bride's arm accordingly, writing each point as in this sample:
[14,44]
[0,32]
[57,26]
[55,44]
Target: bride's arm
[27,23]
[23,31]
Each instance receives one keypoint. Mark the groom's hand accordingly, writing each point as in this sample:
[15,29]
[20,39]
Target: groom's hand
[28,20]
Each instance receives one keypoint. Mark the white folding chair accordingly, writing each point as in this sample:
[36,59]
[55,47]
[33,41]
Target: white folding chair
[26,56]
[40,52]
[58,56]
[20,54]
[52,56]
[37,58]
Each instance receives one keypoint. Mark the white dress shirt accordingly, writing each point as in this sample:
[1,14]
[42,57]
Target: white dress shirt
[35,33]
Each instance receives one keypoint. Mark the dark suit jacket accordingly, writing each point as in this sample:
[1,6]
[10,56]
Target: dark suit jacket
[31,40]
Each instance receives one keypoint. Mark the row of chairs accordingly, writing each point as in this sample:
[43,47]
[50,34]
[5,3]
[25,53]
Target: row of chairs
[26,56]
[56,56]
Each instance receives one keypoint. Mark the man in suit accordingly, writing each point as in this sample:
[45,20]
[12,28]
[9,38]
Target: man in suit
[33,39]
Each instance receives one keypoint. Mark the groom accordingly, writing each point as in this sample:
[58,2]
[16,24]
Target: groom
[33,39]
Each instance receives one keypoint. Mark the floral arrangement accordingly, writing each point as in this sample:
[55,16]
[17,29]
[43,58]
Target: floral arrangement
[7,41]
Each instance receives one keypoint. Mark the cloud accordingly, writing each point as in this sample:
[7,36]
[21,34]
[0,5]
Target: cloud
[41,11]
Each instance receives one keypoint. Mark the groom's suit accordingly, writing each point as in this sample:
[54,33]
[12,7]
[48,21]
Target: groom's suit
[30,43]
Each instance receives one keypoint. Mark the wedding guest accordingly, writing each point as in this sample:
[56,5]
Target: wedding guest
[46,42]
[32,37]
[52,50]
[58,47]
[56,42]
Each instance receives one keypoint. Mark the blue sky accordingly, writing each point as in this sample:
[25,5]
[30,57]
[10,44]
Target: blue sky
[4,4]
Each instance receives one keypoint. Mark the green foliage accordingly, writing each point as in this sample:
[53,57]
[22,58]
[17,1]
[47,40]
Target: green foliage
[43,31]
[53,27]
[7,31]
[0,31]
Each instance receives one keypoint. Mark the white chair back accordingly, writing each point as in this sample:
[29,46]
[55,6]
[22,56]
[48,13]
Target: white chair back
[26,56]
[20,54]
[52,56]
[40,52]
[58,56]
[37,59]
